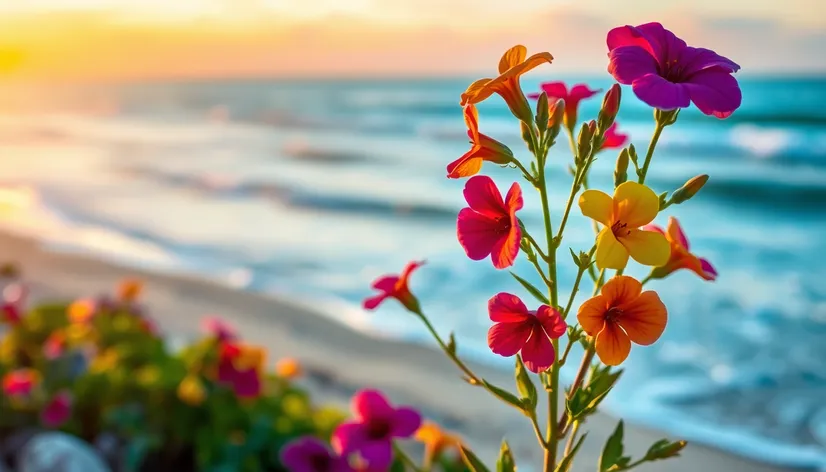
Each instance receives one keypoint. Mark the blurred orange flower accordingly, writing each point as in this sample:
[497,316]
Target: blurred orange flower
[191,390]
[288,368]
[129,290]
[511,67]
[81,311]
[622,313]
[435,439]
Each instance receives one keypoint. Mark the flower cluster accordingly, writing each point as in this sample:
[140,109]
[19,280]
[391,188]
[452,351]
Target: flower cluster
[664,73]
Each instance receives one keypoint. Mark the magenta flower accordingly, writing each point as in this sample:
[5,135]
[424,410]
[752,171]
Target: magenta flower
[218,328]
[489,227]
[376,424]
[58,410]
[395,286]
[613,139]
[667,74]
[309,454]
[517,329]
[558,90]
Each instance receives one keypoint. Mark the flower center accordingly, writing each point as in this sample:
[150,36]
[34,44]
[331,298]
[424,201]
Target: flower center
[320,462]
[620,229]
[612,314]
[673,71]
[378,429]
[502,225]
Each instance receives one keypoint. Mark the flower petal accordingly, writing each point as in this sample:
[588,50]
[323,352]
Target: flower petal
[472,122]
[349,437]
[476,92]
[378,454]
[610,253]
[484,197]
[715,92]
[477,234]
[411,266]
[386,283]
[580,92]
[675,233]
[551,322]
[647,247]
[513,201]
[695,60]
[370,405]
[660,93]
[614,139]
[591,314]
[597,205]
[504,251]
[470,163]
[628,36]
[612,345]
[529,64]
[635,204]
[538,352]
[507,308]
[629,63]
[372,303]
[512,57]
[621,289]
[644,318]
[708,269]
[555,91]
[506,339]
[297,455]
[405,422]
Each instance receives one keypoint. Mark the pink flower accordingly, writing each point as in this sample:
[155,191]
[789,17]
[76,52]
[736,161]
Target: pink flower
[309,454]
[393,286]
[55,345]
[517,329]
[240,366]
[58,410]
[218,328]
[667,74]
[376,424]
[558,90]
[490,227]
[20,382]
[613,139]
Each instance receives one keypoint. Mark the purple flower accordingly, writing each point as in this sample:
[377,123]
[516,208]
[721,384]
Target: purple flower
[376,424]
[309,454]
[667,74]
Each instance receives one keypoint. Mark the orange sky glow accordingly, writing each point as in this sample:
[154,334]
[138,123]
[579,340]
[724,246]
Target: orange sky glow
[148,39]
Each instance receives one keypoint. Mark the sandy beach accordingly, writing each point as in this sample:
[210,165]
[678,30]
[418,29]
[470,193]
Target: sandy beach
[339,360]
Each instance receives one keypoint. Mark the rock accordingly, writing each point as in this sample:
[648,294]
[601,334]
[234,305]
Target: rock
[59,452]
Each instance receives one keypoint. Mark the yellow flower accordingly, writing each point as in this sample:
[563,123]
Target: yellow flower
[288,368]
[435,439]
[77,333]
[249,357]
[632,206]
[129,290]
[191,390]
[81,311]
[512,65]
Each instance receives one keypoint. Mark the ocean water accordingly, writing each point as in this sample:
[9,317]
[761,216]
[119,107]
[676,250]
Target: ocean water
[311,189]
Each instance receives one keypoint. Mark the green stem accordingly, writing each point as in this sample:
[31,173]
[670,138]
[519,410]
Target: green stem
[646,279]
[537,430]
[535,245]
[572,438]
[473,379]
[524,170]
[405,458]
[567,350]
[658,130]
[541,274]
[576,285]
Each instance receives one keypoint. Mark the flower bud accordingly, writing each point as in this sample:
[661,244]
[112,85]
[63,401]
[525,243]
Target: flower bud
[527,135]
[689,189]
[557,115]
[586,134]
[542,112]
[610,107]
[621,170]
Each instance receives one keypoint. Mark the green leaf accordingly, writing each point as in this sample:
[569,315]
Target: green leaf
[505,462]
[531,289]
[566,461]
[451,343]
[505,396]
[663,449]
[585,400]
[525,385]
[612,452]
[575,257]
[473,462]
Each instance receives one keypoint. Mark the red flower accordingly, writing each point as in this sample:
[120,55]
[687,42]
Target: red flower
[393,286]
[58,410]
[490,227]
[240,367]
[557,90]
[518,329]
[613,139]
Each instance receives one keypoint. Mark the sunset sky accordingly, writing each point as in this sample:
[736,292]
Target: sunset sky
[134,39]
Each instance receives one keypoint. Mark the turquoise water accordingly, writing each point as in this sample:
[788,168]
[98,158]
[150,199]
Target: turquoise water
[313,188]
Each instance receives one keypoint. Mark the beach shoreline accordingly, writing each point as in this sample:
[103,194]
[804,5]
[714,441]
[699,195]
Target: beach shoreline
[339,360]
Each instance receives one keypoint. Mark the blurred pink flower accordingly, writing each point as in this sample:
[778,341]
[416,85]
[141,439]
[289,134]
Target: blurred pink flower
[20,382]
[375,426]
[489,226]
[558,90]
[219,328]
[517,329]
[392,286]
[309,454]
[240,366]
[58,410]
[613,139]
[55,345]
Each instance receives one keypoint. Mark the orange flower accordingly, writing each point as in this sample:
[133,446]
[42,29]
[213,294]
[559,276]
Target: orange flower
[681,257]
[81,311]
[622,313]
[435,439]
[288,368]
[129,290]
[512,65]
[483,148]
